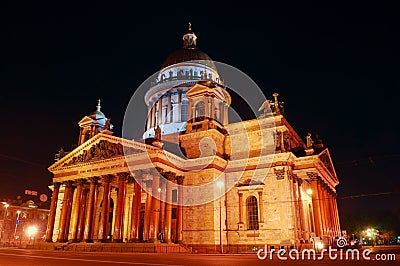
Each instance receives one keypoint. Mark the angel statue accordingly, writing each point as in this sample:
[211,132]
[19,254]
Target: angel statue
[266,107]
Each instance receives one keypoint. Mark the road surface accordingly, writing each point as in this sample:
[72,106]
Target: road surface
[20,257]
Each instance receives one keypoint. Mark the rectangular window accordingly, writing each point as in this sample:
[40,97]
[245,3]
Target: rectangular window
[184,111]
[174,195]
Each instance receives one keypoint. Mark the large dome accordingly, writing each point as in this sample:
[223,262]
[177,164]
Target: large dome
[188,54]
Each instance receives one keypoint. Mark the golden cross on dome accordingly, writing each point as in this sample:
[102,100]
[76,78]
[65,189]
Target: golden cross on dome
[190,26]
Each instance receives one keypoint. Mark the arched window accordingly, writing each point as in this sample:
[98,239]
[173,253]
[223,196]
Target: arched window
[200,109]
[252,213]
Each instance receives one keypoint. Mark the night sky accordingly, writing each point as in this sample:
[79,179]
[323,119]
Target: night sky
[336,67]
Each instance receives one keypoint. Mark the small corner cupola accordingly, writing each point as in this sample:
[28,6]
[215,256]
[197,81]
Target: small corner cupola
[189,39]
[93,124]
[98,114]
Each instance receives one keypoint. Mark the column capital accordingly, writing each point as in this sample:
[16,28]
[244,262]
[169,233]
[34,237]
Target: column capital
[170,176]
[80,182]
[324,185]
[107,178]
[68,183]
[331,192]
[138,173]
[299,181]
[291,175]
[123,176]
[56,185]
[179,179]
[94,179]
[148,183]
[279,173]
[131,179]
[160,171]
[312,176]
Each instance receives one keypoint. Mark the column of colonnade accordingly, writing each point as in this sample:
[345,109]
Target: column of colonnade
[120,207]
[321,200]
[158,206]
[52,213]
[213,109]
[333,216]
[65,212]
[179,212]
[81,199]
[326,215]
[316,205]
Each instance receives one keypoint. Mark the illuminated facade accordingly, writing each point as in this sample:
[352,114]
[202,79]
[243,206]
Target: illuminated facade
[100,195]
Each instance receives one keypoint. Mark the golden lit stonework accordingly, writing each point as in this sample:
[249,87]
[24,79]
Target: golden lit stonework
[111,189]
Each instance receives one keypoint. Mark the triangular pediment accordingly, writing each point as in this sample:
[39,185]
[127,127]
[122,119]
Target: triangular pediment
[326,162]
[85,120]
[100,147]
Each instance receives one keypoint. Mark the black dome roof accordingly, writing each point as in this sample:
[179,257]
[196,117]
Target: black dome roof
[188,54]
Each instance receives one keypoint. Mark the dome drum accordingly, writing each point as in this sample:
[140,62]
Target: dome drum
[166,99]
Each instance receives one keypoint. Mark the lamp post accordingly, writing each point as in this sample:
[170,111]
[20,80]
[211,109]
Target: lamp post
[16,224]
[220,184]
[31,232]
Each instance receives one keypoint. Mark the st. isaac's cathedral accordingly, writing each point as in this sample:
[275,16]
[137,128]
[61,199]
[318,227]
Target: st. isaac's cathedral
[218,191]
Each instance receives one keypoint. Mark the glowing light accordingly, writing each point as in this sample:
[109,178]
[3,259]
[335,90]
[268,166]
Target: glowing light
[31,231]
[220,184]
[320,246]
[309,191]
[18,212]
[159,189]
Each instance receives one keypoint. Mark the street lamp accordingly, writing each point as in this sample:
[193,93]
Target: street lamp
[31,232]
[220,184]
[16,224]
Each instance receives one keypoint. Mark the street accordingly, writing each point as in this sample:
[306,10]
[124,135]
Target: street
[20,257]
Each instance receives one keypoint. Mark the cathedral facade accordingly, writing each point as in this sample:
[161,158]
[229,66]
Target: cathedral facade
[215,189]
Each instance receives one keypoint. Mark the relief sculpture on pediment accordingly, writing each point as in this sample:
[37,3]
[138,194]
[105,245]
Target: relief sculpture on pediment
[102,150]
[327,162]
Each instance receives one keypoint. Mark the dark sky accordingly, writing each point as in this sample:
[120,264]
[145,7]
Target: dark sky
[335,65]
